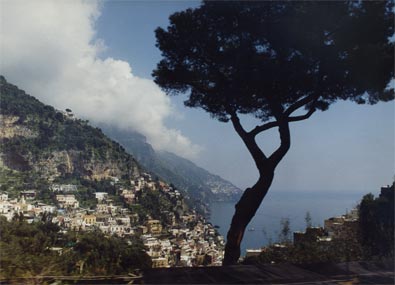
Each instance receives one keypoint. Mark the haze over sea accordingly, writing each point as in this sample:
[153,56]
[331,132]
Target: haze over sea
[265,226]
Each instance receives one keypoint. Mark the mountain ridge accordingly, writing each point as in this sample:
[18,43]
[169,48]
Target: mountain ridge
[183,173]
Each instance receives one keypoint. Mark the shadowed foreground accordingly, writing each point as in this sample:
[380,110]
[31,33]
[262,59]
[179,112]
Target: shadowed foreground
[324,273]
[328,273]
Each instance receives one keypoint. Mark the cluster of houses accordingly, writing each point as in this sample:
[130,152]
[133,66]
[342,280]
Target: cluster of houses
[180,239]
[184,246]
[30,209]
[344,227]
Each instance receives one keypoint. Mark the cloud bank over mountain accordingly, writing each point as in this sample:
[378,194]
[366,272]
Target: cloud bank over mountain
[49,48]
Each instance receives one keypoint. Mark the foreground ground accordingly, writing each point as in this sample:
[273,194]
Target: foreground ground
[344,273]
[325,273]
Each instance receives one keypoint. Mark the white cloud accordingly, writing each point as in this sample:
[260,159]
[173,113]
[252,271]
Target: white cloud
[49,49]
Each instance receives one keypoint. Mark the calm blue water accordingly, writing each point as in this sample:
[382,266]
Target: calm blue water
[278,205]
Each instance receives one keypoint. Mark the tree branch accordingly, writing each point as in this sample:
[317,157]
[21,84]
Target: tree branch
[249,140]
[237,125]
[301,117]
[282,122]
[302,102]
[285,138]
[270,125]
[264,127]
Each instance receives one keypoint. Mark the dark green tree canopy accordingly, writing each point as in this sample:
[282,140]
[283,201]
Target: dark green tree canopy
[376,223]
[269,58]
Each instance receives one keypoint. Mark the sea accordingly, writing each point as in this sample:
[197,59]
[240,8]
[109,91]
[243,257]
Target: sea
[265,226]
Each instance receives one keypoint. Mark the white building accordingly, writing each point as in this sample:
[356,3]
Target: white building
[3,196]
[100,196]
[63,188]
[67,201]
[48,208]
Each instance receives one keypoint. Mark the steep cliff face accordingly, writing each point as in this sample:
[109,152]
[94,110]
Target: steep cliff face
[9,128]
[50,144]
[71,162]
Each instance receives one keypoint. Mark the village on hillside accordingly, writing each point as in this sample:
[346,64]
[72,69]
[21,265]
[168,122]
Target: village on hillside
[181,238]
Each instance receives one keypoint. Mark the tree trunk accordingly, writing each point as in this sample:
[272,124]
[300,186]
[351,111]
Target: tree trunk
[245,211]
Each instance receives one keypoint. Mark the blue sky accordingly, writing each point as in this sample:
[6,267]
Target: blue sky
[103,55]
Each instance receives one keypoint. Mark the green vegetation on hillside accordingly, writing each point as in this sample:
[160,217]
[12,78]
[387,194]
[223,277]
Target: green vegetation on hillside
[155,203]
[29,250]
[16,181]
[376,222]
[55,130]
[40,145]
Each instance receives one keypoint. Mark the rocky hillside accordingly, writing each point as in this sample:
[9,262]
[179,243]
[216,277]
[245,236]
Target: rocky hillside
[196,181]
[40,145]
[44,144]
